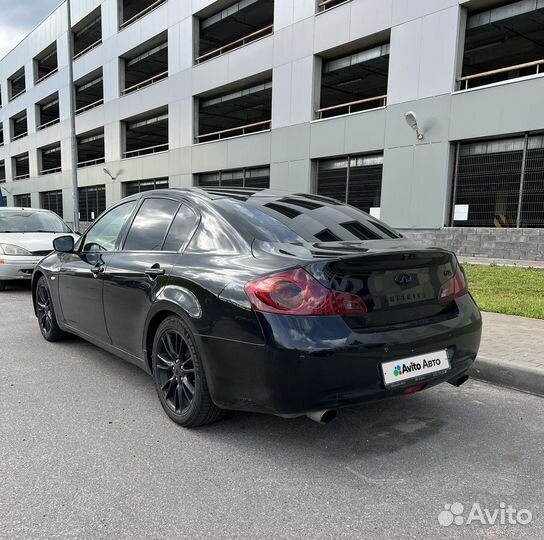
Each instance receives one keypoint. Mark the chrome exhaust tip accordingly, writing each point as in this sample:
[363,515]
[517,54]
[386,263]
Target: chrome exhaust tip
[460,381]
[323,417]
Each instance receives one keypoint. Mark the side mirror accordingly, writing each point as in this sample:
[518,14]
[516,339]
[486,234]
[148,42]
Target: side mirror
[64,244]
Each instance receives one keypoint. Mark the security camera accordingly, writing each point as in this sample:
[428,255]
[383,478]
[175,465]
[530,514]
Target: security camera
[411,120]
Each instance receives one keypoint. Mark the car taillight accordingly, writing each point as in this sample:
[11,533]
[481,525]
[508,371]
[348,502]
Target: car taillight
[296,292]
[454,288]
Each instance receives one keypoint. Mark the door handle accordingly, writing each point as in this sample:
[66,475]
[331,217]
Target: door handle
[155,271]
[97,270]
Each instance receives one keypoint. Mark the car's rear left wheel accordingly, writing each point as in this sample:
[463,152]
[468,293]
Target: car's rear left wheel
[179,376]
[46,313]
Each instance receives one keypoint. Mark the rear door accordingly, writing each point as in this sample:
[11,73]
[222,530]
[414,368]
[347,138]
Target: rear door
[136,274]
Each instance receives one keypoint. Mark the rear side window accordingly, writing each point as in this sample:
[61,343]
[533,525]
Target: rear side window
[152,222]
[181,230]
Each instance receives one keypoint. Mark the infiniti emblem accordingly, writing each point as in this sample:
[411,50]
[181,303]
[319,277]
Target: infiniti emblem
[403,279]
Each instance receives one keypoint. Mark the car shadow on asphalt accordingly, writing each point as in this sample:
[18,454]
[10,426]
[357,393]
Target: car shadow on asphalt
[20,288]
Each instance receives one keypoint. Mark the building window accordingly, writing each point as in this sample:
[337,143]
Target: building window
[21,167]
[16,84]
[90,149]
[500,183]
[145,65]
[255,178]
[233,27]
[22,201]
[89,91]
[354,82]
[48,112]
[324,5]
[92,202]
[2,171]
[356,180]
[134,10]
[139,186]
[19,126]
[87,34]
[238,112]
[52,200]
[46,64]
[50,159]
[503,43]
[1,133]
[146,134]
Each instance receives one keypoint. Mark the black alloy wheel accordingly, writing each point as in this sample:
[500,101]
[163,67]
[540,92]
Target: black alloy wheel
[46,312]
[179,376]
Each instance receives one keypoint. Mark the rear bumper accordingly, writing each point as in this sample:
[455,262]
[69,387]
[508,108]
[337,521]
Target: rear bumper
[313,363]
[14,268]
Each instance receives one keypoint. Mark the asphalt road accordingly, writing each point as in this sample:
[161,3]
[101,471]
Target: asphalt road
[86,452]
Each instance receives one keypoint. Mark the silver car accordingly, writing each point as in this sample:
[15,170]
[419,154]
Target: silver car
[26,237]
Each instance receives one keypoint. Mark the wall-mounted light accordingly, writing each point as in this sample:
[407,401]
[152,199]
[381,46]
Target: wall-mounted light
[107,171]
[411,120]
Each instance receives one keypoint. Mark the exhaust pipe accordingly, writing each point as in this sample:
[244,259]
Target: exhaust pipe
[323,417]
[460,381]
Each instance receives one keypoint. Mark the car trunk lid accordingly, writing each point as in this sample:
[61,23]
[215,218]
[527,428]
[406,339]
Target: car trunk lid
[399,280]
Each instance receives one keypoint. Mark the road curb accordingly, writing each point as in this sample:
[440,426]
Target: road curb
[519,377]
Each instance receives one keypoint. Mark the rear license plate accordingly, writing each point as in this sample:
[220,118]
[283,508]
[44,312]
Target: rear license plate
[411,368]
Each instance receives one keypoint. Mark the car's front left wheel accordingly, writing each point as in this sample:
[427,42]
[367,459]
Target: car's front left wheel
[46,313]
[179,376]
[3,286]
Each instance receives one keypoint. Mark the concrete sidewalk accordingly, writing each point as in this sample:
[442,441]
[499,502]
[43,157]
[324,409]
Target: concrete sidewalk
[512,353]
[501,262]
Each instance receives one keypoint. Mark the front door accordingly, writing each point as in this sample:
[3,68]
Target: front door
[81,277]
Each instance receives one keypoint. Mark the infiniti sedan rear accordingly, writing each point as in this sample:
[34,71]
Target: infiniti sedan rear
[261,301]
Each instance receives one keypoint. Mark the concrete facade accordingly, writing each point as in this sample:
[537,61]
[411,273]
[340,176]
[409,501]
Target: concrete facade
[426,39]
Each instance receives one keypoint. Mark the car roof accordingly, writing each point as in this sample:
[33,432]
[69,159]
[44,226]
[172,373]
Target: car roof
[25,209]
[240,194]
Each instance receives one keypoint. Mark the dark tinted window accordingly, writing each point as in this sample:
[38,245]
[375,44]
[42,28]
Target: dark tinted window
[264,217]
[150,225]
[184,224]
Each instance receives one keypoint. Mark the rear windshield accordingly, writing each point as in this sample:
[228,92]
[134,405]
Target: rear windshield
[302,219]
[21,221]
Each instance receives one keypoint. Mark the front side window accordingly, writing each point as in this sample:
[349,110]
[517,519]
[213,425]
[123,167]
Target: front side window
[104,234]
[151,224]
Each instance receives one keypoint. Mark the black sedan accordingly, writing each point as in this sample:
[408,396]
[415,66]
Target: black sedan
[261,301]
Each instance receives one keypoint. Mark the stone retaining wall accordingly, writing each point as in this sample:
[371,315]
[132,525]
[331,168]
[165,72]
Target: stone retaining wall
[522,244]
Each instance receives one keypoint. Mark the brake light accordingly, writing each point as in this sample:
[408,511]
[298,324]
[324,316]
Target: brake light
[296,292]
[454,288]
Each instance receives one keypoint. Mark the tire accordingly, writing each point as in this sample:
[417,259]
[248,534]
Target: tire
[3,285]
[47,319]
[179,376]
